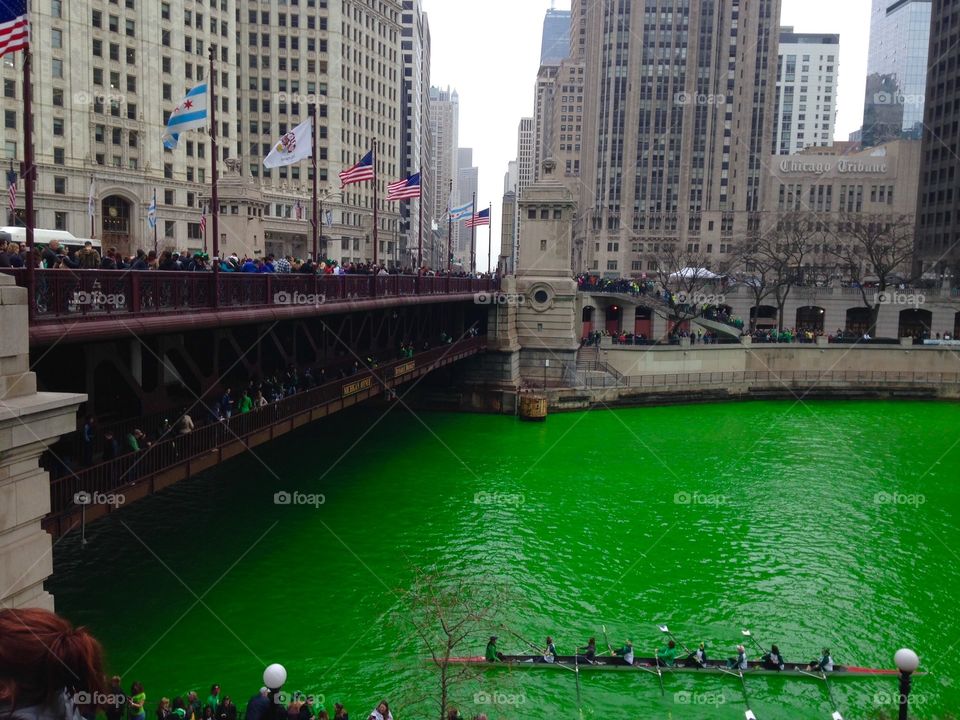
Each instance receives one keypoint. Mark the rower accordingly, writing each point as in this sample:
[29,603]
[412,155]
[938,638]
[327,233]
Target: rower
[550,653]
[492,655]
[740,661]
[773,660]
[698,658]
[626,652]
[824,664]
[667,656]
[589,650]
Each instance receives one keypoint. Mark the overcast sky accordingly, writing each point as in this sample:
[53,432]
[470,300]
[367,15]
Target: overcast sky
[491,52]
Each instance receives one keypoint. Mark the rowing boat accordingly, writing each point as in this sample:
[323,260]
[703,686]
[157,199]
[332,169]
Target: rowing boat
[614,664]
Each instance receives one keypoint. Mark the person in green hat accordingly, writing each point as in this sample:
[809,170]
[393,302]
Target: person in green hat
[626,652]
[492,655]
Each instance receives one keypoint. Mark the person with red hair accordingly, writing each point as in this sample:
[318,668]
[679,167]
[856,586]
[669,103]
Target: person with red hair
[47,666]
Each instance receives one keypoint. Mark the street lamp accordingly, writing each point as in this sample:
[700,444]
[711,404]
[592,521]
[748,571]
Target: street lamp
[907,662]
[274,677]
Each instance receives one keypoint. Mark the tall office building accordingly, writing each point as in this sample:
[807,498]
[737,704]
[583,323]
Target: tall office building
[526,150]
[444,133]
[678,121]
[292,59]
[105,78]
[415,128]
[107,75]
[555,43]
[937,245]
[806,96]
[468,182]
[543,116]
[896,70]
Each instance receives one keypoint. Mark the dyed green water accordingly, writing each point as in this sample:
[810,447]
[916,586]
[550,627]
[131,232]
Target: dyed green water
[810,523]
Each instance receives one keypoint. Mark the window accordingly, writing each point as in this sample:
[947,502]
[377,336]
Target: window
[10,119]
[56,8]
[168,171]
[10,88]
[58,127]
[58,97]
[59,221]
[58,156]
[56,38]
[60,185]
[169,228]
[531,213]
[169,197]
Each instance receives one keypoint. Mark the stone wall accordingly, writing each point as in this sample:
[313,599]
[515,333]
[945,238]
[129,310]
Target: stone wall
[29,422]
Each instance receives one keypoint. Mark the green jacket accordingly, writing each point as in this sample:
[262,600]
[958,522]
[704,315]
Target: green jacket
[492,652]
[667,654]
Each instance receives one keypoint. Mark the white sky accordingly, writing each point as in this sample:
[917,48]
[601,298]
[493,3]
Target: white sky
[490,53]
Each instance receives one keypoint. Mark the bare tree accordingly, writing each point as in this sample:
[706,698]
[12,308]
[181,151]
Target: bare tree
[450,617]
[687,275]
[782,249]
[873,245]
[758,272]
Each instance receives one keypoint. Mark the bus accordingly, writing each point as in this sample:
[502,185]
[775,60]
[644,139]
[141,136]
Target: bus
[42,238]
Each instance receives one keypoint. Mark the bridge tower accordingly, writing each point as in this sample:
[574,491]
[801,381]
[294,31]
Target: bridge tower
[29,422]
[546,313]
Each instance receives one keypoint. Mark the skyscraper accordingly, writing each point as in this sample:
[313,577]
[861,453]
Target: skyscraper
[525,153]
[806,97]
[543,116]
[896,70]
[678,118]
[415,127]
[444,134]
[468,181]
[937,246]
[555,44]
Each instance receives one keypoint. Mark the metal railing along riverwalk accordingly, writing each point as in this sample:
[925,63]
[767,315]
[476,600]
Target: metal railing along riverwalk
[772,378]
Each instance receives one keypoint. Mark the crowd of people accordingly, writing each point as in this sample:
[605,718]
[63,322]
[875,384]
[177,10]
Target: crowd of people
[51,670]
[237,398]
[57,256]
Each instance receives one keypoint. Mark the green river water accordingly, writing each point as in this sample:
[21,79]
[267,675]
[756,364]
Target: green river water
[811,523]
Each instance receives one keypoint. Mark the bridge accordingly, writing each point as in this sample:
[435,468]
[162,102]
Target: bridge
[82,305]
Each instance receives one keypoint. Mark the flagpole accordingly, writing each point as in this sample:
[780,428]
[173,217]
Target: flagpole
[93,212]
[420,221]
[376,200]
[317,220]
[490,238]
[28,171]
[214,199]
[450,228]
[155,248]
[473,237]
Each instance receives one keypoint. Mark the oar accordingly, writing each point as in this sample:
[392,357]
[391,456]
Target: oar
[748,715]
[576,668]
[656,660]
[523,639]
[746,633]
[836,712]
[607,639]
[665,629]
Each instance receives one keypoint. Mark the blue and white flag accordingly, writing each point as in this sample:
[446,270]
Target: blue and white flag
[152,212]
[190,114]
[464,211]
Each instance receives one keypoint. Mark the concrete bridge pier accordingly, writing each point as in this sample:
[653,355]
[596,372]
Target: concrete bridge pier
[29,422]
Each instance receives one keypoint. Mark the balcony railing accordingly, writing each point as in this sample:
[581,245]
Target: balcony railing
[101,294]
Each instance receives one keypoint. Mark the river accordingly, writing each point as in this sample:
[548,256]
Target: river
[811,523]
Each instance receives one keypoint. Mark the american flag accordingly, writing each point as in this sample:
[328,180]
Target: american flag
[361,172]
[203,221]
[404,189]
[480,218]
[12,190]
[14,26]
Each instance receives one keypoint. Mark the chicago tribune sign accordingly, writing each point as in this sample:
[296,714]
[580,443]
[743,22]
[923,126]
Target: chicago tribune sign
[825,166]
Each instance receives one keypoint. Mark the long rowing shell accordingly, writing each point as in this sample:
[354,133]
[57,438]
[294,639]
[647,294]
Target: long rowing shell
[615,664]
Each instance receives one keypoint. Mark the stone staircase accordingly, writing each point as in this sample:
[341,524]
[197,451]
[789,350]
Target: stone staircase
[591,371]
